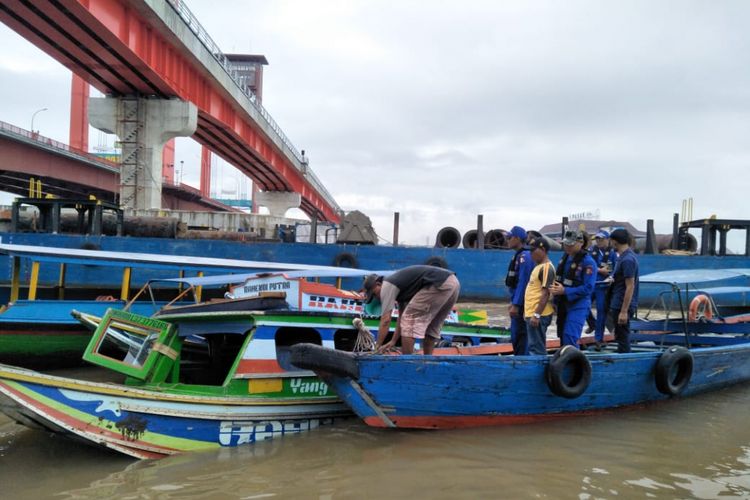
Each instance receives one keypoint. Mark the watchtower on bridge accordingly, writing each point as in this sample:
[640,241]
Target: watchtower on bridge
[249,69]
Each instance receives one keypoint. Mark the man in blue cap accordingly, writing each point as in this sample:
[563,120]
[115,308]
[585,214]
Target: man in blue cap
[605,257]
[519,270]
[576,278]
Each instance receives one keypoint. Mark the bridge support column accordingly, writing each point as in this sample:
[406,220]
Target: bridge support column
[277,202]
[143,127]
[79,120]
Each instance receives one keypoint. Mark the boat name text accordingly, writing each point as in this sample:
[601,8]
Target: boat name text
[232,433]
[311,387]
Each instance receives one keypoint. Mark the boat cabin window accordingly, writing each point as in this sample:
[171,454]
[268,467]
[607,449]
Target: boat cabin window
[207,359]
[129,344]
[126,342]
[286,337]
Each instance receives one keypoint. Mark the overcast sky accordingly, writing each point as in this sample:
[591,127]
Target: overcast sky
[521,111]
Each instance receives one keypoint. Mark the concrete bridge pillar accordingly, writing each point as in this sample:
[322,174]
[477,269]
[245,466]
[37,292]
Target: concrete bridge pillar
[278,202]
[143,127]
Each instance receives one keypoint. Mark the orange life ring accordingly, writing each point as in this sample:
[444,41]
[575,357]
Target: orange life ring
[696,303]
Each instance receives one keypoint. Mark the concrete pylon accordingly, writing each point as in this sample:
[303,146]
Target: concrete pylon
[143,127]
[278,202]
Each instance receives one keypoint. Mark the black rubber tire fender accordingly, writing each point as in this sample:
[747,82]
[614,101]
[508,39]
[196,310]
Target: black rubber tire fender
[564,358]
[436,261]
[322,359]
[346,259]
[673,371]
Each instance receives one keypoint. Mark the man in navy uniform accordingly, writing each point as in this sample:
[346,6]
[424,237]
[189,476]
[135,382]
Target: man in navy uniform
[576,278]
[519,270]
[624,289]
[605,257]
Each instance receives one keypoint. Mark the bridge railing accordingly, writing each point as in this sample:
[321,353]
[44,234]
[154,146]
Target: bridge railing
[33,136]
[199,31]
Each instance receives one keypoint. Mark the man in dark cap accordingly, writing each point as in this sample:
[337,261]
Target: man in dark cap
[623,300]
[425,296]
[538,308]
[606,258]
[576,278]
[519,270]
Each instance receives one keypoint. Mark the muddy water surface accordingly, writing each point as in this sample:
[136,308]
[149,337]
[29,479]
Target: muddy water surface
[693,448]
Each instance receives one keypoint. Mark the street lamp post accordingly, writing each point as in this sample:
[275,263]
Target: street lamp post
[34,116]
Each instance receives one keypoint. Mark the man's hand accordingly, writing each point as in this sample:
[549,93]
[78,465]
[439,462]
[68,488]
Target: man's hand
[513,310]
[384,348]
[534,322]
[557,289]
[622,318]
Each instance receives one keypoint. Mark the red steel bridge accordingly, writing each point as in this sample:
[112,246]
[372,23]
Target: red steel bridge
[157,48]
[68,172]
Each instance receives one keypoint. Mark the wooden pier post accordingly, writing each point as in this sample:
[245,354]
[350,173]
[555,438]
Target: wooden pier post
[395,228]
[650,247]
[480,231]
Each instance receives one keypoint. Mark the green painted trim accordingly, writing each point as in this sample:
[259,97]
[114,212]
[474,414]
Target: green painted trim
[92,356]
[314,320]
[43,345]
[238,358]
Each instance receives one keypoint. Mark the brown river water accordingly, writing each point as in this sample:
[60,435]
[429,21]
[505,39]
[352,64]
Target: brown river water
[692,448]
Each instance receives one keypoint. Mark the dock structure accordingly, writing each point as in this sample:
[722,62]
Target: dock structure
[711,228]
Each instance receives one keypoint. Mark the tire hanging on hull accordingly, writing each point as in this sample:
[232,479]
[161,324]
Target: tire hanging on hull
[673,370]
[346,259]
[566,359]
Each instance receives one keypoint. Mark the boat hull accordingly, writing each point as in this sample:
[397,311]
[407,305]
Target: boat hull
[151,424]
[468,391]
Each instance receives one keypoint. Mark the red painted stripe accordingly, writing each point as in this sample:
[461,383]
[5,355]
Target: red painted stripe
[464,421]
[258,366]
[505,348]
[474,350]
[740,318]
[38,407]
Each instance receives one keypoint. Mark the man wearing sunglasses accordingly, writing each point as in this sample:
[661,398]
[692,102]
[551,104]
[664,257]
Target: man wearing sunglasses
[576,279]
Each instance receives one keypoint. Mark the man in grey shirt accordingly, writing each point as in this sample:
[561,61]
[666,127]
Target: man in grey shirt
[425,296]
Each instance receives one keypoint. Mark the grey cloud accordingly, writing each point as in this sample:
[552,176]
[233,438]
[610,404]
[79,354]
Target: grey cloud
[525,111]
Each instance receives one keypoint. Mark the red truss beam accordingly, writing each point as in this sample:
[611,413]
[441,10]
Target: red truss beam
[121,47]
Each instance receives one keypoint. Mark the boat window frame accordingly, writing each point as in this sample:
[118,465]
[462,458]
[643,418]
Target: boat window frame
[161,329]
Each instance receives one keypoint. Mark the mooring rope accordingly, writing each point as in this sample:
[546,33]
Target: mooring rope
[365,341]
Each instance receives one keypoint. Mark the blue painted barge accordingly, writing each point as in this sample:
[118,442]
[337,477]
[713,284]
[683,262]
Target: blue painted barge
[481,272]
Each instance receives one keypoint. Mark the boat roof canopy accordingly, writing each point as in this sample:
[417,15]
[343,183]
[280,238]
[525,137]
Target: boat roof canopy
[177,262]
[232,279]
[694,276]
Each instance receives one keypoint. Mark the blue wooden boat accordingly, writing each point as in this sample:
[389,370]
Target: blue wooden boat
[672,356]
